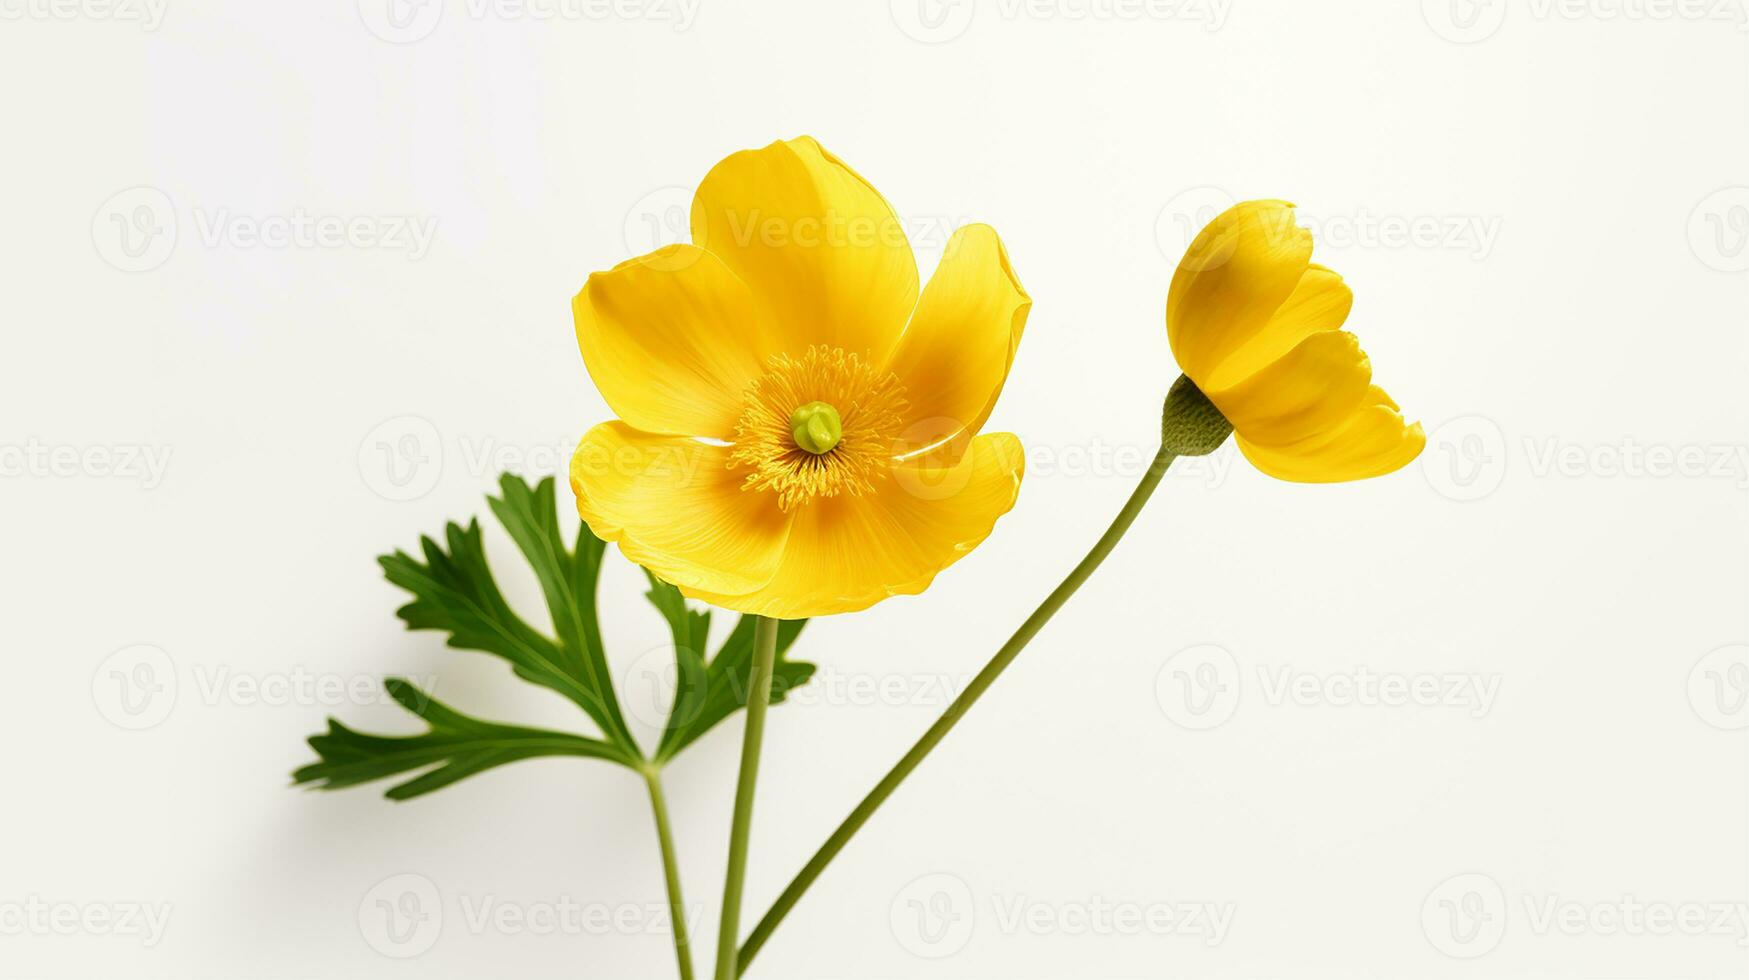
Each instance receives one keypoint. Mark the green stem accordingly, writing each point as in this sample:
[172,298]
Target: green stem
[960,706]
[670,871]
[758,696]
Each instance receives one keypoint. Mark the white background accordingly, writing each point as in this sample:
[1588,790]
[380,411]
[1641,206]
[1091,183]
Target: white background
[1571,330]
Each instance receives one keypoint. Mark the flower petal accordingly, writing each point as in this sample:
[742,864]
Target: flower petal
[1313,387]
[954,357]
[672,340]
[848,553]
[1371,442]
[1320,302]
[1235,275]
[822,251]
[675,507]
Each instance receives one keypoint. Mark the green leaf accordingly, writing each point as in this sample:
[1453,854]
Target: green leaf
[453,591]
[568,579]
[705,694]
[455,747]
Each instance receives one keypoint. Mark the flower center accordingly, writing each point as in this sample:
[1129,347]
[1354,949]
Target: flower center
[819,425]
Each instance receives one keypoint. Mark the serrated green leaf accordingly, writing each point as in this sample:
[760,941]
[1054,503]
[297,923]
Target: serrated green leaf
[455,746]
[454,591]
[568,580]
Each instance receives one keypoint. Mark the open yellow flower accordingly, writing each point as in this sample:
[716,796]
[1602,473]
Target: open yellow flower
[798,429]
[1256,326]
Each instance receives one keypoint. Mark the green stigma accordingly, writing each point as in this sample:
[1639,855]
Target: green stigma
[816,427]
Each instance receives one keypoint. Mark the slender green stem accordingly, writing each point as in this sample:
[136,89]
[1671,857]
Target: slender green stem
[670,871]
[960,706]
[758,696]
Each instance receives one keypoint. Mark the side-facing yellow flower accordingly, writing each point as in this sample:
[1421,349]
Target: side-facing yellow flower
[1257,327]
[798,428]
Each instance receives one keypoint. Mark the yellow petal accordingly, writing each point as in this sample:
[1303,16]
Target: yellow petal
[1372,441]
[675,507]
[1236,274]
[848,553]
[672,340]
[1320,302]
[956,353]
[1308,390]
[822,251]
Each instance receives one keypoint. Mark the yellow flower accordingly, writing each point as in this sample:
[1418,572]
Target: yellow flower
[1256,326]
[798,429]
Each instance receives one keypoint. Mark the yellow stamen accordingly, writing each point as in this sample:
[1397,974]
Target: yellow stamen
[785,436]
